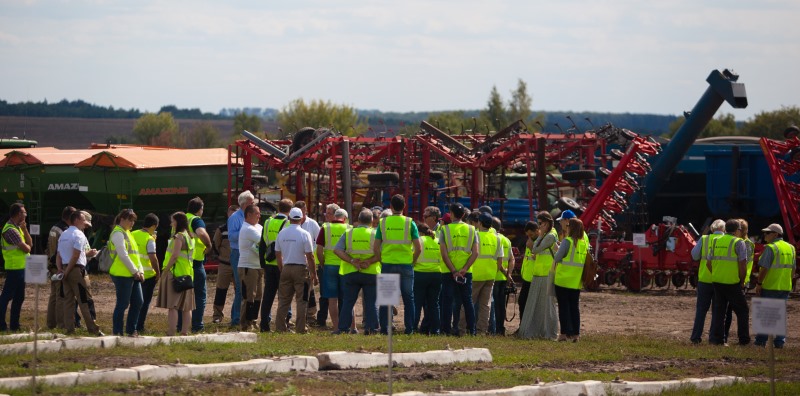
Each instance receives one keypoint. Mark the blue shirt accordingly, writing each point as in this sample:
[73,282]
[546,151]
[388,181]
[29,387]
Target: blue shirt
[234,227]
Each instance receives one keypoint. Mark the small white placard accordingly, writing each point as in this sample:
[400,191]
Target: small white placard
[769,316]
[34,229]
[639,240]
[388,289]
[36,269]
[83,188]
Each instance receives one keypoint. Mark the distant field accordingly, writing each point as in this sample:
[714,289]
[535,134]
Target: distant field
[76,133]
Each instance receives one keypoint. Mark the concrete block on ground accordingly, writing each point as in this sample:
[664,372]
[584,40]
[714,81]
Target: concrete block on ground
[139,342]
[150,372]
[708,383]
[254,365]
[293,363]
[29,336]
[109,341]
[22,348]
[61,379]
[15,382]
[83,342]
[111,376]
[241,336]
[339,360]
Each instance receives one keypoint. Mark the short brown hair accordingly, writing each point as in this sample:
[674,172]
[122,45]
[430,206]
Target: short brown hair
[285,205]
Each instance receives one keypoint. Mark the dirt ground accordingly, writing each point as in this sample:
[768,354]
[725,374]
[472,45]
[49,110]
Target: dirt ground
[655,313]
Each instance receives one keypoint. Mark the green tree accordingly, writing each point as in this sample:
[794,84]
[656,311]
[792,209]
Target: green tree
[155,129]
[723,125]
[203,135]
[519,107]
[495,112]
[244,122]
[772,123]
[320,114]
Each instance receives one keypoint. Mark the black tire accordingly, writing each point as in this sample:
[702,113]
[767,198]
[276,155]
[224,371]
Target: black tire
[616,154]
[302,137]
[436,176]
[678,279]
[386,177]
[565,203]
[791,132]
[578,175]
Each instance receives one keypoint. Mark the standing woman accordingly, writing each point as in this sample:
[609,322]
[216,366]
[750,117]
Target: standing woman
[539,319]
[526,269]
[428,282]
[569,268]
[177,262]
[126,272]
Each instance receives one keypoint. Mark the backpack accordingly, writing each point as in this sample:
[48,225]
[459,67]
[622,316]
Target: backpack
[589,270]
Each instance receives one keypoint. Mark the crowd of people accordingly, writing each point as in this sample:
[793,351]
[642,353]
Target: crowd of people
[455,271]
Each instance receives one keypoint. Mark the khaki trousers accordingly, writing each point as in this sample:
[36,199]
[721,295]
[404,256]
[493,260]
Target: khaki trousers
[294,281]
[76,290]
[482,297]
[252,290]
[224,280]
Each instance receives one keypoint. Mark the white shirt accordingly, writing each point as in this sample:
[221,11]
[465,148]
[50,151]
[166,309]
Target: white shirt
[249,238]
[72,238]
[293,243]
[313,228]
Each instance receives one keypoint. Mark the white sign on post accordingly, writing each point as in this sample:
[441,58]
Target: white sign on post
[639,240]
[769,316]
[36,269]
[388,289]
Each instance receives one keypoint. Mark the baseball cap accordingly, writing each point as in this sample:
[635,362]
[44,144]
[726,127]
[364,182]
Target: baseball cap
[485,209]
[566,215]
[485,219]
[774,228]
[295,214]
[88,218]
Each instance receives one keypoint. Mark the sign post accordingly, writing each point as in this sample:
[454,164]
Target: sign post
[769,317]
[640,240]
[36,274]
[389,295]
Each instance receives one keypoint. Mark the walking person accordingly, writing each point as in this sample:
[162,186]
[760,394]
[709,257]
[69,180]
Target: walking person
[526,270]
[569,260]
[145,239]
[458,245]
[398,246]
[16,243]
[540,319]
[359,269]
[331,284]
[428,282]
[222,248]
[250,271]
[55,303]
[234,223]
[293,249]
[73,249]
[488,263]
[202,246]
[126,273]
[778,267]
[177,262]
[728,266]
[705,290]
[750,247]
[272,272]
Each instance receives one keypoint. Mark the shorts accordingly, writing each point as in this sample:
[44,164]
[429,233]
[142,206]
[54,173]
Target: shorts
[331,283]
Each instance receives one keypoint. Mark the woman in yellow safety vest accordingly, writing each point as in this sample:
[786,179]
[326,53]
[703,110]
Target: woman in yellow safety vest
[126,272]
[526,269]
[569,260]
[539,319]
[177,262]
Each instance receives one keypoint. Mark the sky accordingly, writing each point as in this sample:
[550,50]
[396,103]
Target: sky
[603,56]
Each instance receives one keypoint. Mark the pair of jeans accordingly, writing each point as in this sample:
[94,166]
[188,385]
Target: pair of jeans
[523,297]
[569,314]
[199,297]
[705,298]
[454,297]
[272,278]
[237,286]
[427,287]
[725,294]
[497,318]
[780,340]
[406,272]
[13,291]
[322,305]
[148,287]
[129,294]
[353,283]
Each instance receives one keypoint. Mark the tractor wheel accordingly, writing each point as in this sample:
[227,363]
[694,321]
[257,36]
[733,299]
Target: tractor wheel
[436,176]
[610,278]
[633,282]
[578,175]
[661,279]
[791,132]
[565,203]
[678,279]
[617,154]
[627,135]
[302,137]
[386,177]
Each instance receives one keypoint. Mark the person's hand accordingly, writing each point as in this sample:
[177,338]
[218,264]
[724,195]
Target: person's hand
[462,273]
[758,290]
[23,224]
[91,253]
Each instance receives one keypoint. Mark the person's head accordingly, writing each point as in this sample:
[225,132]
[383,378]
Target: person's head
[473,218]
[340,215]
[718,225]
[386,213]
[398,203]
[150,221]
[530,229]
[431,215]
[575,227]
[285,205]
[295,215]
[365,217]
[565,216]
[376,213]
[180,222]
[424,229]
[245,199]
[485,221]
[744,228]
[17,212]
[732,226]
[486,209]
[447,219]
[457,211]
[302,206]
[772,232]
[545,221]
[87,217]
[195,206]
[497,224]
[252,214]
[125,219]
[232,209]
[77,220]
[330,210]
[67,212]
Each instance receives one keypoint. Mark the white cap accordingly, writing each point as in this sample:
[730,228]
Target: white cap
[295,214]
